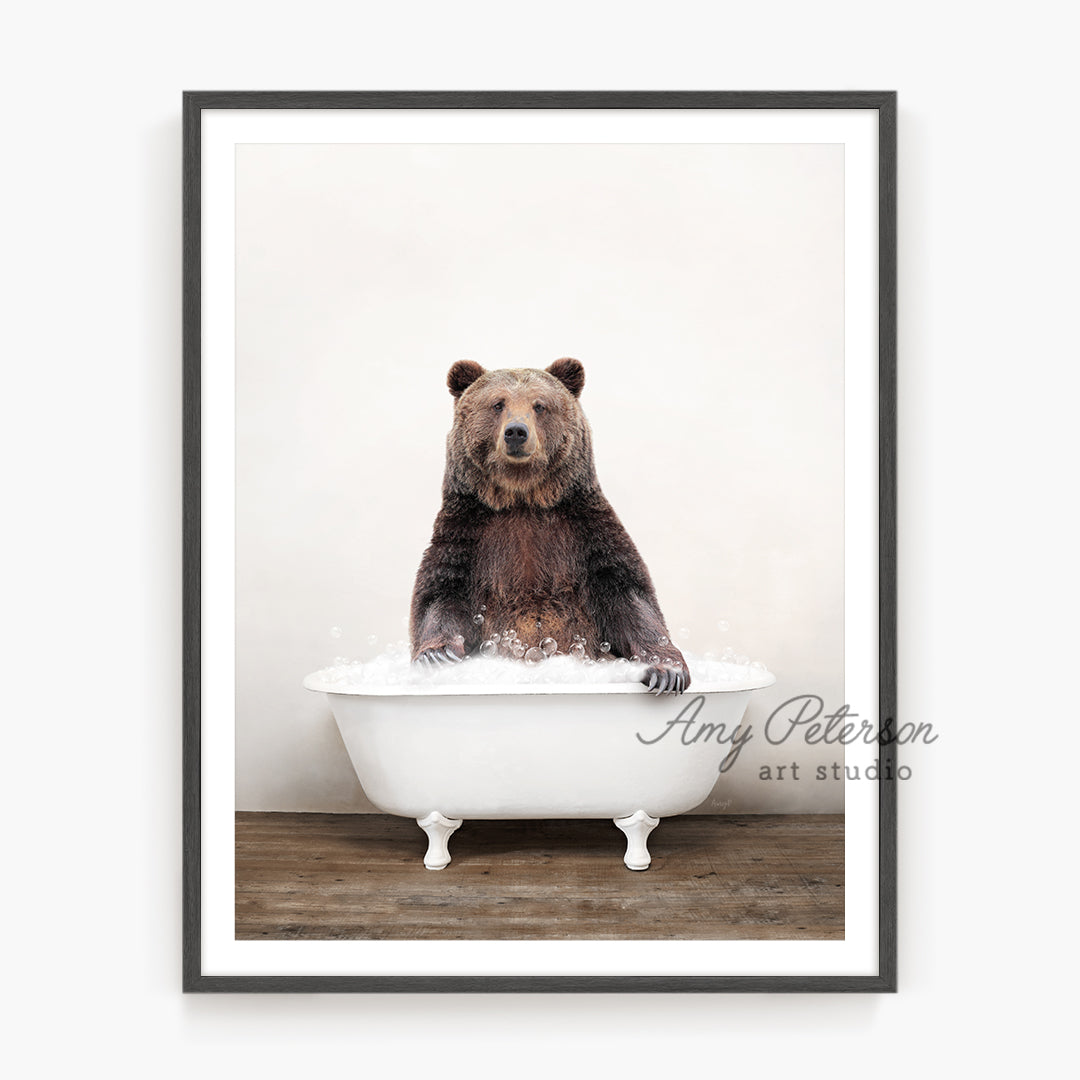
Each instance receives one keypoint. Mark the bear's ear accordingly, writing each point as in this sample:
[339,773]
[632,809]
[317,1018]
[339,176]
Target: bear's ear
[462,375]
[570,373]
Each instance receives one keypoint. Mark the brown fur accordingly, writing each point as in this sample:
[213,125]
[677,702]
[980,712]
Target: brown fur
[525,537]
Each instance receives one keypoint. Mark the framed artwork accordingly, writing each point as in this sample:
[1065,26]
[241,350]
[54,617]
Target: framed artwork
[539,542]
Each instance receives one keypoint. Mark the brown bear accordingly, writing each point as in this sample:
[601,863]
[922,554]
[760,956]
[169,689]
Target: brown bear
[525,537]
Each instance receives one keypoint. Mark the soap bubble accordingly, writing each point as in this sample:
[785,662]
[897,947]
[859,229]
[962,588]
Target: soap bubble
[335,631]
[478,619]
[662,640]
[483,607]
[654,659]
[577,650]
[518,649]
[394,670]
[605,646]
[550,646]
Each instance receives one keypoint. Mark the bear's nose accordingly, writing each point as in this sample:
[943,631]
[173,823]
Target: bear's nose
[515,434]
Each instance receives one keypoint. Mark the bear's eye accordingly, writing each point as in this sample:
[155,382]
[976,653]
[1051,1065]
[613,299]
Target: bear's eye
[538,408]
[498,406]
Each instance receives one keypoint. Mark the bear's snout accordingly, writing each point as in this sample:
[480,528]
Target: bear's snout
[516,435]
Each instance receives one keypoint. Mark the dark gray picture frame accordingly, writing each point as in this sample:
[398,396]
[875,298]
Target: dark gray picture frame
[194,104]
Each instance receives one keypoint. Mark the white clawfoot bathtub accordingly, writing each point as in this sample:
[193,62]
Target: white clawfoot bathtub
[444,754]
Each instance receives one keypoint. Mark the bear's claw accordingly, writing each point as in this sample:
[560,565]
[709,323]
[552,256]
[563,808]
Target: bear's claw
[430,659]
[659,680]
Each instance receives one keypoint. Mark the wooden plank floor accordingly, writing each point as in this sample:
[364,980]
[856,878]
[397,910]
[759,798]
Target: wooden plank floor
[350,876]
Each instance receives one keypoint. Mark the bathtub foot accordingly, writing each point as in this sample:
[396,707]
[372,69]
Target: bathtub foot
[439,830]
[637,828]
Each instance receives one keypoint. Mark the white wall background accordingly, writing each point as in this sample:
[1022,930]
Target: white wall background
[703,289]
[90,434]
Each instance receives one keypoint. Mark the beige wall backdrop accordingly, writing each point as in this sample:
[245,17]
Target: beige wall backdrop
[702,288]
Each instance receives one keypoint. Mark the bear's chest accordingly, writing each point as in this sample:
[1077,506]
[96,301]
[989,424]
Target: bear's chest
[530,579]
[525,555]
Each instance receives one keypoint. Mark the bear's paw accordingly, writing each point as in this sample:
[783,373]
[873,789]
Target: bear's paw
[661,679]
[435,657]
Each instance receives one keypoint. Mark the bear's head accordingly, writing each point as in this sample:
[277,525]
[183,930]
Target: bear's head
[519,437]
